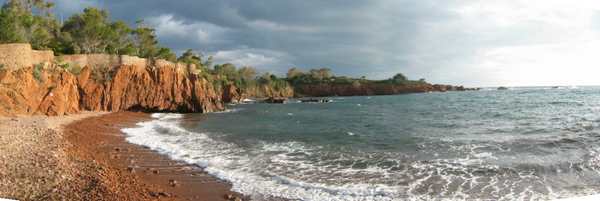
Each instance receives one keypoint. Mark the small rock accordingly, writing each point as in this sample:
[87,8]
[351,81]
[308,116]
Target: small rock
[117,149]
[173,182]
[131,169]
[164,194]
[155,171]
[232,197]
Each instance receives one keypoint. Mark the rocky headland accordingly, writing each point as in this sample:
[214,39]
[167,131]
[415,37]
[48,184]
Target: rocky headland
[37,82]
[33,84]
[371,89]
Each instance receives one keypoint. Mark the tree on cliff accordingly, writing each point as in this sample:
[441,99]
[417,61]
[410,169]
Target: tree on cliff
[293,73]
[93,32]
[18,24]
[191,57]
[399,78]
[227,71]
[272,81]
[166,54]
[146,42]
[120,41]
[89,31]
[320,74]
[247,73]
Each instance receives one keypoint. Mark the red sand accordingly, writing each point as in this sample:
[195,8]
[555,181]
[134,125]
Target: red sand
[133,172]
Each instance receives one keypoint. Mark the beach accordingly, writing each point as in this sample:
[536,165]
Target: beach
[86,157]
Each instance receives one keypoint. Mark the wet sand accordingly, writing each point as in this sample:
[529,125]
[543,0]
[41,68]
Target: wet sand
[137,171]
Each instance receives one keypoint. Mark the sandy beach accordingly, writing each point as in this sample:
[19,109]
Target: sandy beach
[86,157]
[35,163]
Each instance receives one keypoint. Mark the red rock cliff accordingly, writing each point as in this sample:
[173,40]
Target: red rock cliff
[54,91]
[370,89]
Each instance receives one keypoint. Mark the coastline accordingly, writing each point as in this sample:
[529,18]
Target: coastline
[85,157]
[138,169]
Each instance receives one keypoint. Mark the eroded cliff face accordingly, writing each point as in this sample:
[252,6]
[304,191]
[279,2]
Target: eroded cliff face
[233,94]
[58,92]
[55,93]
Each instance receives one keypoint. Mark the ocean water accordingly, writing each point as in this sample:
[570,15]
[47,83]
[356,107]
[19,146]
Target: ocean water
[518,144]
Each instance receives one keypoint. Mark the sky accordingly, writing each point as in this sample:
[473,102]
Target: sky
[462,42]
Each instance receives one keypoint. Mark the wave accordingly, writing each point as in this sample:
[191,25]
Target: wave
[228,162]
[300,171]
[232,110]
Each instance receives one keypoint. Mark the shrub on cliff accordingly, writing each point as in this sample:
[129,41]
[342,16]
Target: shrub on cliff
[102,74]
[37,71]
[75,70]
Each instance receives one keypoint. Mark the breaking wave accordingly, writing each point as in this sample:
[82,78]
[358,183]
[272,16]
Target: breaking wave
[295,170]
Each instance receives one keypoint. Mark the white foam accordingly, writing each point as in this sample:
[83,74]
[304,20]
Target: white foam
[165,116]
[582,198]
[293,170]
[228,162]
[232,110]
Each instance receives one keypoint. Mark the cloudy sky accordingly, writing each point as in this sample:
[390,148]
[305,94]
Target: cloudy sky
[470,42]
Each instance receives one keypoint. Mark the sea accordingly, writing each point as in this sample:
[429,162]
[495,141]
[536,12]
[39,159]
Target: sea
[525,143]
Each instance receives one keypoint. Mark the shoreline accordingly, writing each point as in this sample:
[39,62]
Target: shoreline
[100,139]
[86,157]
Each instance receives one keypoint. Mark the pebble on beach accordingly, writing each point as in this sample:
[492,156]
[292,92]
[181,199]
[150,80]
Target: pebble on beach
[173,182]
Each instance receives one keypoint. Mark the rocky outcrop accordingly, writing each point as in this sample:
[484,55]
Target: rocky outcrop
[55,91]
[370,89]
[233,94]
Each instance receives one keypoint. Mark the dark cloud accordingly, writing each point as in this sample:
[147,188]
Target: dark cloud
[456,42]
[351,37]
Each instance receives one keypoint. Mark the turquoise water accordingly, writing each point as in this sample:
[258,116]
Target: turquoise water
[524,143]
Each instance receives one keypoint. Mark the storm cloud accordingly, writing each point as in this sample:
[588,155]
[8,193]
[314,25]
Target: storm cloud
[471,42]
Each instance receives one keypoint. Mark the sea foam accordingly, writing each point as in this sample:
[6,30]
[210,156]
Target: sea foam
[298,171]
[228,162]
